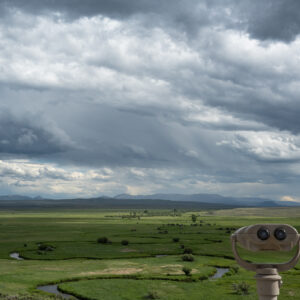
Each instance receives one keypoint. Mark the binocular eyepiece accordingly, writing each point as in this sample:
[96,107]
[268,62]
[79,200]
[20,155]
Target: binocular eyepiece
[261,237]
[263,234]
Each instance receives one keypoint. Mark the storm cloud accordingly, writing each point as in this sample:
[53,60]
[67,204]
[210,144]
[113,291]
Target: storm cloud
[29,137]
[106,97]
[263,20]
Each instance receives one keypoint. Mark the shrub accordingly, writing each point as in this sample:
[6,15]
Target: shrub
[187,271]
[42,247]
[103,240]
[241,288]
[188,251]
[182,246]
[164,232]
[45,247]
[152,295]
[194,218]
[125,242]
[187,257]
[176,240]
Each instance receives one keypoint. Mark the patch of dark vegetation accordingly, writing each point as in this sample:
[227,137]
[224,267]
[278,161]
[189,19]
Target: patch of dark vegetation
[106,203]
[241,288]
[45,247]
[232,270]
[164,232]
[103,240]
[176,239]
[124,242]
[188,251]
[187,257]
[230,229]
[213,241]
[187,271]
[219,255]
[152,295]
[194,218]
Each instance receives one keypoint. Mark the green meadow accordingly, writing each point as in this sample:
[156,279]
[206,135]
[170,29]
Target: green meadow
[134,254]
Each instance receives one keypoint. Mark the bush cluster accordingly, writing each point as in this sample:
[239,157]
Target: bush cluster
[187,257]
[187,271]
[45,247]
[152,295]
[103,240]
[188,251]
[241,288]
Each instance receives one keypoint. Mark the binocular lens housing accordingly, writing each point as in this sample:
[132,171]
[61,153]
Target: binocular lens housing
[263,233]
[280,234]
[267,237]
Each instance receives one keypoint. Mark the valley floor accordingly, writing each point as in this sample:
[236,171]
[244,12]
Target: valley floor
[134,254]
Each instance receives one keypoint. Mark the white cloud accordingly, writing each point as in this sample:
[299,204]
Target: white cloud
[27,176]
[267,145]
[89,53]
[290,199]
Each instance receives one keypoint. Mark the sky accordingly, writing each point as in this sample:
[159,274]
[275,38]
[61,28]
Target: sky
[163,96]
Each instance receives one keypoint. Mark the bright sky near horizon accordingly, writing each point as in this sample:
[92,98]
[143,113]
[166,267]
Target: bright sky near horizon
[176,96]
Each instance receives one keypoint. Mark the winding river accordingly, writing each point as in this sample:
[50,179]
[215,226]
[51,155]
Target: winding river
[220,272]
[53,288]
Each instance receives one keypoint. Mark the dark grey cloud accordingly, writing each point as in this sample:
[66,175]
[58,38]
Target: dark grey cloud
[259,106]
[26,136]
[263,20]
[111,137]
[77,8]
[271,19]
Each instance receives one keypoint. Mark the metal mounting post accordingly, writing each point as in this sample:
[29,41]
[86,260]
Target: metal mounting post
[268,283]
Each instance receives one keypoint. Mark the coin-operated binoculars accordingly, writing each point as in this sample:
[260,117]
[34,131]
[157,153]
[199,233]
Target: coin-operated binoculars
[264,237]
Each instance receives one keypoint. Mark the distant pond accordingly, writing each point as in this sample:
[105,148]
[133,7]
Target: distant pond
[16,255]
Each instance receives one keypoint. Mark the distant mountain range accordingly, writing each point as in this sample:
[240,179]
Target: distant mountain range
[212,198]
[19,197]
[146,201]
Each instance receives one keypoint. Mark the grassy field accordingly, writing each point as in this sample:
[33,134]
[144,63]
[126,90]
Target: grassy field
[61,247]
